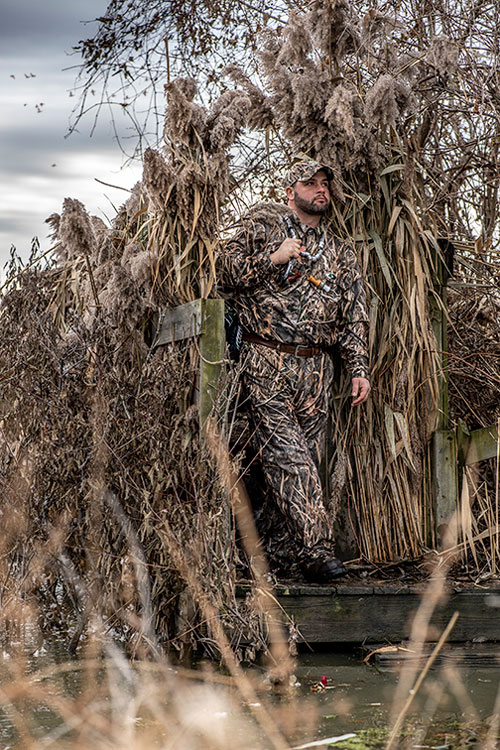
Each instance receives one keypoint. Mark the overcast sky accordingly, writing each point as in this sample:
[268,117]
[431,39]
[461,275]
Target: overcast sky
[39,166]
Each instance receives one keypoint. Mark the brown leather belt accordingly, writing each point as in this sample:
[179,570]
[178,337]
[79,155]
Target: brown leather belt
[298,349]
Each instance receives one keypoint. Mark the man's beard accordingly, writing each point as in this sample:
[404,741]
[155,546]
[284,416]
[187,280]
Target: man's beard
[308,207]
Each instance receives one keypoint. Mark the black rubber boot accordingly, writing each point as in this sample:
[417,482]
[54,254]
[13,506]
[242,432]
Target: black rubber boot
[323,570]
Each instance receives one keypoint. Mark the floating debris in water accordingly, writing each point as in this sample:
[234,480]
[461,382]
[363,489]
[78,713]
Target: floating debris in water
[326,741]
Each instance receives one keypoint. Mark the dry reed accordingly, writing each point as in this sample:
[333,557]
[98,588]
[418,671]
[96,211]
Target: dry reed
[353,88]
[100,432]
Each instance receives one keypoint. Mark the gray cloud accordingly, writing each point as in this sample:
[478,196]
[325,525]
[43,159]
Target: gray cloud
[30,198]
[27,150]
[35,37]
[31,25]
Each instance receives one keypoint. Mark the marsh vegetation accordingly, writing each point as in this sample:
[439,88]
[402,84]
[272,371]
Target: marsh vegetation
[118,519]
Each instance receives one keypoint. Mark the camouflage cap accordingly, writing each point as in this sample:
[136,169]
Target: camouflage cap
[303,170]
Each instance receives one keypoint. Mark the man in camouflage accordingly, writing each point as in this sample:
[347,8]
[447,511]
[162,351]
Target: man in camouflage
[298,291]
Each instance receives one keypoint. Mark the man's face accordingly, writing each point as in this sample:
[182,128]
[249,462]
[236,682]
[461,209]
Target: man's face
[311,196]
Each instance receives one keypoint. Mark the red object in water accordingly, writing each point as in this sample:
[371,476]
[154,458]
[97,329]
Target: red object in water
[323,679]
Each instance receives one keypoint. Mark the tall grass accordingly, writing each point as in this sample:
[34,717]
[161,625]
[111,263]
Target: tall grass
[103,699]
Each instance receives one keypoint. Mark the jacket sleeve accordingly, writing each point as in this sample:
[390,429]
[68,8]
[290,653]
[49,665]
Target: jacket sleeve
[245,261]
[353,327]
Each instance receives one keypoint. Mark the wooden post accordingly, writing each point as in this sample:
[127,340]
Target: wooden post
[445,480]
[439,326]
[212,342]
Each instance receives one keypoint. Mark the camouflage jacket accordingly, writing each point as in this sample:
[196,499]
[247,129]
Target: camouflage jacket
[292,309]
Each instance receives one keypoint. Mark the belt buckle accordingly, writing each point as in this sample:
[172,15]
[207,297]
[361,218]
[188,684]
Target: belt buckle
[297,353]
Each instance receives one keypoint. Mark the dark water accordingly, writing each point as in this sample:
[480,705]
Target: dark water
[359,696]
[356,698]
[369,686]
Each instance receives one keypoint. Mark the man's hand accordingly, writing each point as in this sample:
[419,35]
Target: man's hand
[289,248]
[360,390]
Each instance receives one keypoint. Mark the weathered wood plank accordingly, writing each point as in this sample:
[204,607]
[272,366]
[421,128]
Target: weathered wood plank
[384,613]
[388,618]
[483,444]
[182,322]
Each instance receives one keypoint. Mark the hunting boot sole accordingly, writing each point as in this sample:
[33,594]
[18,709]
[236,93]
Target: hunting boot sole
[324,570]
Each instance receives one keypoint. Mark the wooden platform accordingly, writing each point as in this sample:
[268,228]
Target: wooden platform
[383,612]
[468,655]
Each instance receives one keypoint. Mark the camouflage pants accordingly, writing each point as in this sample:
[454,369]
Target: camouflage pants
[287,399]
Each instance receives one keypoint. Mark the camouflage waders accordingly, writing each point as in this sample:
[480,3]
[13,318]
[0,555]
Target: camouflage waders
[288,409]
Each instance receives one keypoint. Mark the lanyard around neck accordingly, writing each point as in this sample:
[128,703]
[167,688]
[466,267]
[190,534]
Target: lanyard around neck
[291,231]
